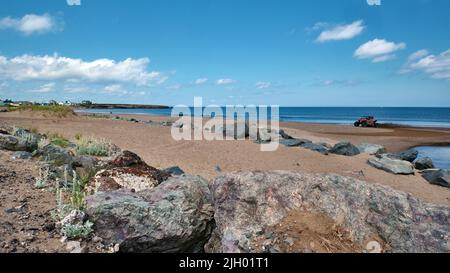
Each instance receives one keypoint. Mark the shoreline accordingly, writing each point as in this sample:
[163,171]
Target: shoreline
[210,159]
[335,130]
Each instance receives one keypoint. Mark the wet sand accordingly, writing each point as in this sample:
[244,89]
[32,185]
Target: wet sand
[205,158]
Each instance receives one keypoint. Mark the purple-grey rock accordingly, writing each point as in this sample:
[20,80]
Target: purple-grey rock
[175,217]
[247,203]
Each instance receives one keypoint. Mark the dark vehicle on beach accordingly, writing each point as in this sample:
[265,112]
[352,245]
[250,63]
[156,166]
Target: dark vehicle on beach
[368,121]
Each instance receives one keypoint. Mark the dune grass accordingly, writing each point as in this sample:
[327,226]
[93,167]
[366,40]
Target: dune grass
[55,110]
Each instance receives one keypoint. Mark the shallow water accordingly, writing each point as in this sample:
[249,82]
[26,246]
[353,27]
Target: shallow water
[439,155]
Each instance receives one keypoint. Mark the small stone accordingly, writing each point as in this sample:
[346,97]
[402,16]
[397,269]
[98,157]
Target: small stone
[74,247]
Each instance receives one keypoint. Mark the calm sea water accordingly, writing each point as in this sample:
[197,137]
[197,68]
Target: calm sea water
[422,117]
[440,155]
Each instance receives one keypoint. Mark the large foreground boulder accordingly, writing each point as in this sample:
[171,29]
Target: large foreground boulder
[248,204]
[176,216]
[14,143]
[390,165]
[345,148]
[437,177]
[127,170]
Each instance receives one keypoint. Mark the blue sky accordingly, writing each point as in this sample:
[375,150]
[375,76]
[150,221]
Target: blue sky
[290,52]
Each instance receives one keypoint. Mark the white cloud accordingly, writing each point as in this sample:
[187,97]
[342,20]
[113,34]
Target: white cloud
[263,85]
[379,50]
[75,89]
[418,54]
[74,2]
[342,32]
[438,67]
[201,81]
[225,81]
[374,2]
[49,87]
[174,87]
[112,88]
[28,67]
[30,23]
[383,58]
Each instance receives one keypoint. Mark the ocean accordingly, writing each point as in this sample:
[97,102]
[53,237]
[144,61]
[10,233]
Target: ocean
[420,117]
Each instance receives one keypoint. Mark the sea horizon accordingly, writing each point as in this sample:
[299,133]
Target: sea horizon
[426,117]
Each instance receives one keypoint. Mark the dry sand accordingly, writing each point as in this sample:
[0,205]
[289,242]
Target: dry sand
[156,146]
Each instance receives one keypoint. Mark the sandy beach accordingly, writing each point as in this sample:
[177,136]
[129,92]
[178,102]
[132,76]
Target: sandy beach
[212,158]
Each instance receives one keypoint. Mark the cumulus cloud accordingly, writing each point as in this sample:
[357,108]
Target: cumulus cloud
[342,32]
[418,54]
[263,85]
[438,67]
[201,81]
[374,2]
[28,67]
[74,2]
[30,23]
[225,81]
[379,50]
[49,87]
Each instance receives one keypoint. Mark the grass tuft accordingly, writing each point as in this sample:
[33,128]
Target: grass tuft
[59,140]
[78,231]
[94,147]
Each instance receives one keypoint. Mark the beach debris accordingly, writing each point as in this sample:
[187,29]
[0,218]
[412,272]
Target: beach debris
[316,147]
[345,148]
[176,217]
[21,155]
[14,143]
[218,169]
[247,203]
[128,171]
[174,171]
[424,163]
[294,142]
[371,149]
[390,165]
[437,177]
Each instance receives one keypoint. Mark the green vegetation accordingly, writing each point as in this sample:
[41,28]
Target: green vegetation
[78,194]
[78,231]
[41,181]
[56,110]
[59,140]
[93,147]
